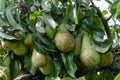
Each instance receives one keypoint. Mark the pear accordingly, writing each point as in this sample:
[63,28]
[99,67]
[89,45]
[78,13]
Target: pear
[28,40]
[64,40]
[106,59]
[21,49]
[38,59]
[89,56]
[78,44]
[8,44]
[48,68]
[50,32]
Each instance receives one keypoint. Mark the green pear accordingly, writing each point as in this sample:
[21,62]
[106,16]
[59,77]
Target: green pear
[78,44]
[106,59]
[64,40]
[89,56]
[28,40]
[9,44]
[48,68]
[21,49]
[50,32]
[38,59]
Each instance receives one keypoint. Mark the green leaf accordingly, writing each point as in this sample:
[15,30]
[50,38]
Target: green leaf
[116,65]
[34,15]
[5,36]
[72,13]
[2,5]
[118,10]
[67,78]
[106,74]
[15,67]
[84,1]
[43,45]
[101,45]
[69,64]
[49,20]
[55,8]
[2,65]
[104,12]
[52,78]
[108,1]
[46,5]
[3,23]
[92,24]
[117,77]
[70,27]
[40,27]
[115,8]
[57,67]
[82,78]
[28,64]
[92,74]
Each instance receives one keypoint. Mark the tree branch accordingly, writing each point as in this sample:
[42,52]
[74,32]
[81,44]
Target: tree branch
[105,21]
[25,76]
[109,18]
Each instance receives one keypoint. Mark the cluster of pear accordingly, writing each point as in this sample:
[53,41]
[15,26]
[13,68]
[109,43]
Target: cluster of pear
[81,46]
[21,46]
[43,62]
[67,43]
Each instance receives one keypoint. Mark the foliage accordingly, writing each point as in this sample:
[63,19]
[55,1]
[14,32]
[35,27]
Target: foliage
[21,17]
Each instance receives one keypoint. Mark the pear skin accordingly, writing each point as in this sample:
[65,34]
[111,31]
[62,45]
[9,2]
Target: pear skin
[64,40]
[48,68]
[89,56]
[21,49]
[38,59]
[106,59]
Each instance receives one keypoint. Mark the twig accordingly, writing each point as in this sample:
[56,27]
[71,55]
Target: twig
[25,76]
[105,21]
[109,17]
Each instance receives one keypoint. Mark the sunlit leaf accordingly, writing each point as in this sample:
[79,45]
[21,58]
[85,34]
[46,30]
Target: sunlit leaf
[34,15]
[40,27]
[101,45]
[117,77]
[46,5]
[49,20]
[72,13]
[5,36]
